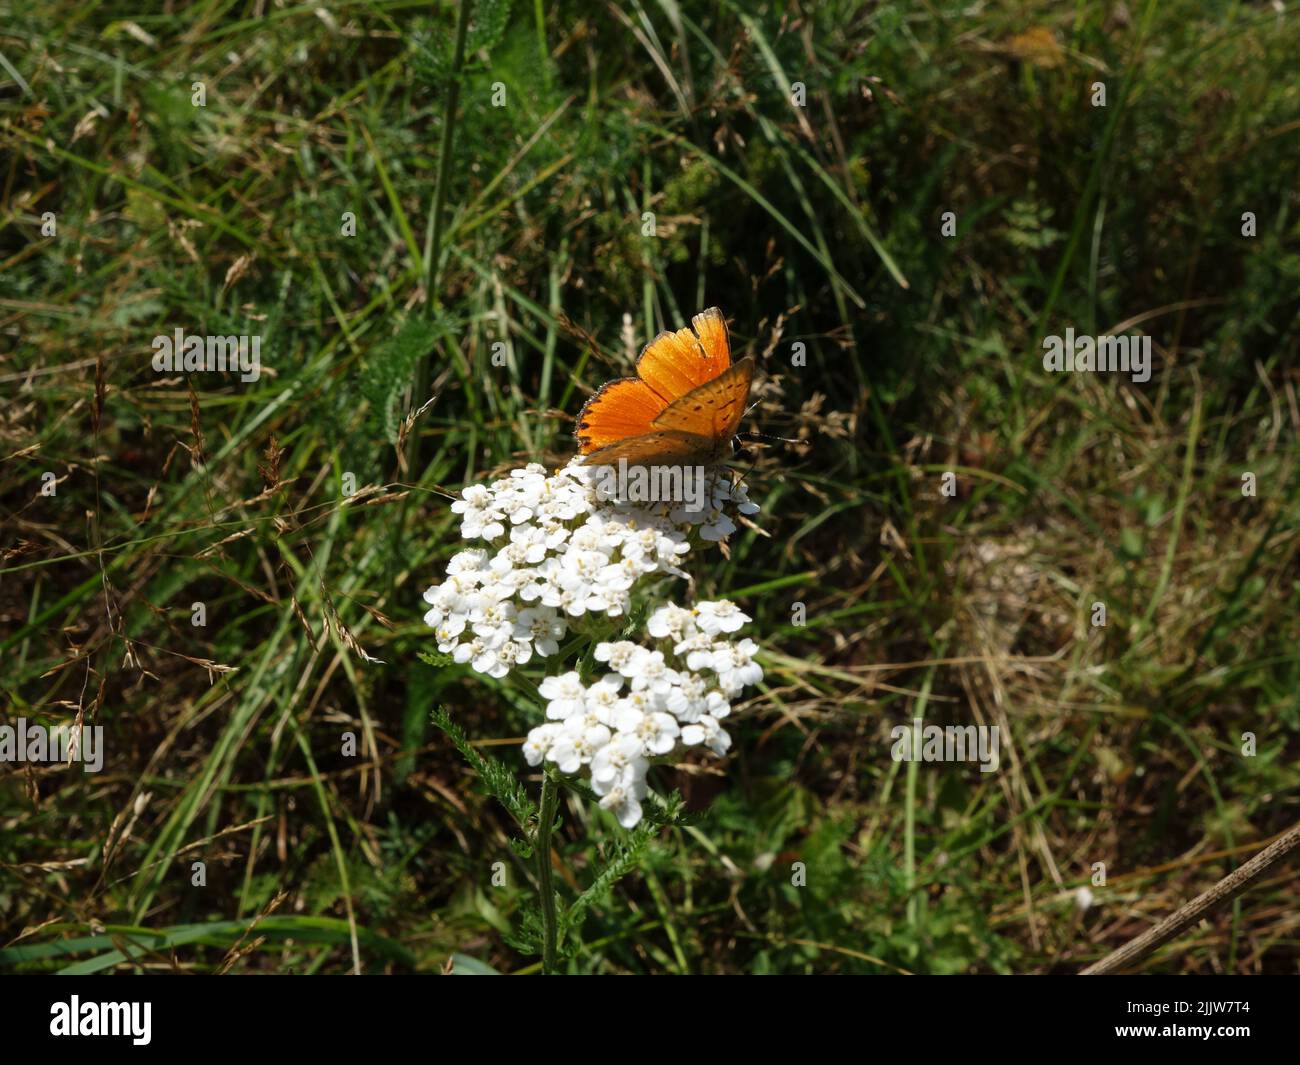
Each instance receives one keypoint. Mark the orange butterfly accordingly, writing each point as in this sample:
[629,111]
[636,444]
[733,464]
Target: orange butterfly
[683,406]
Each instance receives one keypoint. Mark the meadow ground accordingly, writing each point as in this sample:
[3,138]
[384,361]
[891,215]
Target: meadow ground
[918,195]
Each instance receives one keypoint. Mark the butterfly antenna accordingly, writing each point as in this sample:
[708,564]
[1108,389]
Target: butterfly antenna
[768,436]
[748,471]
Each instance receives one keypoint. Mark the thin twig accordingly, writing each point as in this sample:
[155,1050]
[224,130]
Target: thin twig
[1225,890]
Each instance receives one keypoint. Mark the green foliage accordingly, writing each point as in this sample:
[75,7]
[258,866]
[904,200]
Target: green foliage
[487,26]
[433,47]
[526,936]
[621,858]
[501,782]
[386,374]
[1028,226]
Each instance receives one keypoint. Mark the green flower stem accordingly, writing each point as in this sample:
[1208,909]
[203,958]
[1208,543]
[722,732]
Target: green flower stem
[445,159]
[545,887]
[434,249]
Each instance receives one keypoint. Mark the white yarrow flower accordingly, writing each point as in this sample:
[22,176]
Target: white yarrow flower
[556,554]
[564,694]
[708,732]
[719,617]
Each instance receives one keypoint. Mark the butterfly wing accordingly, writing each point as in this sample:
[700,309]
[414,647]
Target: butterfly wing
[621,409]
[712,410]
[665,447]
[687,373]
[715,339]
[674,363]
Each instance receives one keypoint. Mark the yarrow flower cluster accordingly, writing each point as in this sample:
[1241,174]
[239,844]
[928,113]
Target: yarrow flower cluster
[653,702]
[558,549]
